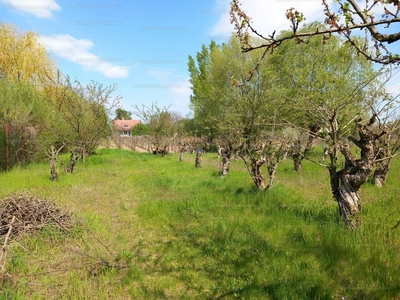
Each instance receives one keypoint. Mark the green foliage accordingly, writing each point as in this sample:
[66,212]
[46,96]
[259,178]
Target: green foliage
[122,114]
[140,129]
[25,112]
[83,112]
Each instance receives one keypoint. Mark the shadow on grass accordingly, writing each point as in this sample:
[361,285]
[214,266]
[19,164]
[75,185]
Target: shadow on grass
[278,291]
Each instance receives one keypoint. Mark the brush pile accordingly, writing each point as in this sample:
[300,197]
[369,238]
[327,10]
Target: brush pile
[30,214]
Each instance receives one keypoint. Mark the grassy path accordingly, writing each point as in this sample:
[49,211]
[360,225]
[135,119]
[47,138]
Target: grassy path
[153,228]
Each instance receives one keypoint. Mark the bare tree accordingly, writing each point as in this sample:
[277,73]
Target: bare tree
[348,18]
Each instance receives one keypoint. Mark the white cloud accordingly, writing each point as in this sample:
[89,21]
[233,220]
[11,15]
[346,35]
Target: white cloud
[77,51]
[268,15]
[38,8]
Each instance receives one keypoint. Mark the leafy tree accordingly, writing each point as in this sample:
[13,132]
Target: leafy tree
[23,111]
[140,129]
[85,112]
[23,58]
[332,87]
[312,84]
[309,76]
[242,118]
[121,114]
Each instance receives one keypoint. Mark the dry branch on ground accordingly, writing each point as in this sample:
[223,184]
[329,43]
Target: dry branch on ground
[31,214]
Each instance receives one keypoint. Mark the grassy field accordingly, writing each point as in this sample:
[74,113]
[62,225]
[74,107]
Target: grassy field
[149,227]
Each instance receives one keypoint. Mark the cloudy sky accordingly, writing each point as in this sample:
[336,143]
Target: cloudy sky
[141,45]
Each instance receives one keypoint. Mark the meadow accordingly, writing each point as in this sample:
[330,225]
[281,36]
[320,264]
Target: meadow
[150,227]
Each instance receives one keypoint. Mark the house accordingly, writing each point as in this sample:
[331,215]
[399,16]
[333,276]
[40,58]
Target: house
[124,127]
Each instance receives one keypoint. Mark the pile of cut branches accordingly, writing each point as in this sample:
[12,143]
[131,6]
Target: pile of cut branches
[30,214]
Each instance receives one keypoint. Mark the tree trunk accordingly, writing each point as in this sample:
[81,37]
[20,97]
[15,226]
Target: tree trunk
[219,151]
[253,166]
[257,175]
[381,173]
[53,162]
[226,153]
[271,172]
[349,200]
[73,158]
[181,154]
[296,155]
[198,159]
[347,182]
[298,167]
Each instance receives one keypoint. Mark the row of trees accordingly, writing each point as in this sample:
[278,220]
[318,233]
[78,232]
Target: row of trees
[298,92]
[43,112]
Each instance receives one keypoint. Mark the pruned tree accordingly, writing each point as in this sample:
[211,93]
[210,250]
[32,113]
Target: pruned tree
[348,124]
[52,155]
[183,134]
[161,125]
[244,118]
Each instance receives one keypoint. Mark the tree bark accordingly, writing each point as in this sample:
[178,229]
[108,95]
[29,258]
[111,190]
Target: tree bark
[73,158]
[381,173]
[253,165]
[53,162]
[257,175]
[296,155]
[226,153]
[383,167]
[198,159]
[346,183]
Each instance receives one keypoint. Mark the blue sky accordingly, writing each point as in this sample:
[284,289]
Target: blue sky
[143,46]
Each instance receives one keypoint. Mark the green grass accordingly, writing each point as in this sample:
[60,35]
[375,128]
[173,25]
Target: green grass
[149,227]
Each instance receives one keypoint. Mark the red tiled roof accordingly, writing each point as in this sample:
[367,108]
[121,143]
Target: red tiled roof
[125,125]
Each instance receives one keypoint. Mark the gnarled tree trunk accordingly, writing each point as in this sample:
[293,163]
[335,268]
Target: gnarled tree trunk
[256,173]
[73,158]
[297,158]
[226,153]
[52,154]
[381,173]
[253,165]
[346,183]
[297,153]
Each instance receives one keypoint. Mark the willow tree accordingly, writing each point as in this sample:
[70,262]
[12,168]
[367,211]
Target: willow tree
[25,70]
[23,58]
[334,88]
[239,118]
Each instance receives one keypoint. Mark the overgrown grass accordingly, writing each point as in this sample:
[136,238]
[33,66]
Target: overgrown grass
[153,228]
